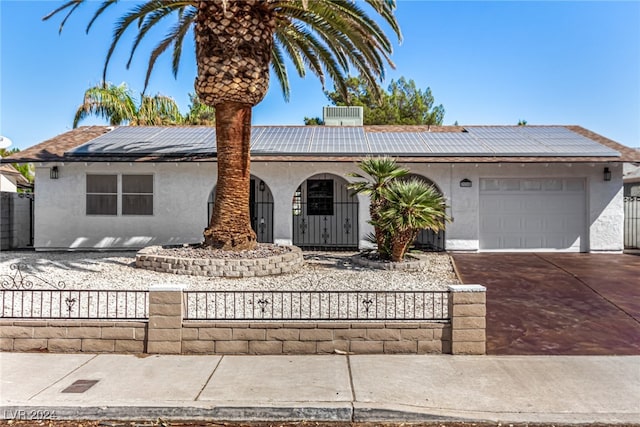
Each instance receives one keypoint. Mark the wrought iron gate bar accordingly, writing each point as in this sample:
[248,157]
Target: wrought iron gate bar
[316,305]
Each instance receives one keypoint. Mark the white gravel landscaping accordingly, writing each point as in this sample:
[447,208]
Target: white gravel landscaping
[330,271]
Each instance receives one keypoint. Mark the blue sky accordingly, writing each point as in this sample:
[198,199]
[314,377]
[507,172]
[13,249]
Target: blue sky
[487,62]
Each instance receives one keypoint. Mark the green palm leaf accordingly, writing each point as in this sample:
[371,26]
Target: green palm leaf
[327,36]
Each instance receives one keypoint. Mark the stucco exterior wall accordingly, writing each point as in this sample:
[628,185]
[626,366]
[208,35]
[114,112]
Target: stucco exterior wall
[179,215]
[181,191]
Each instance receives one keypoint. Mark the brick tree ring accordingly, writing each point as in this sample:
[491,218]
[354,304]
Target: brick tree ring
[411,263]
[267,260]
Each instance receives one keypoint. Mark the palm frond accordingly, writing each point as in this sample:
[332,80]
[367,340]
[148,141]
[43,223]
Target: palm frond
[111,102]
[327,37]
[99,12]
[280,70]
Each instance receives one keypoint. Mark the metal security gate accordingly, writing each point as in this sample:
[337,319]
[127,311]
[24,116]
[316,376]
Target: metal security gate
[430,241]
[260,210]
[632,222]
[326,232]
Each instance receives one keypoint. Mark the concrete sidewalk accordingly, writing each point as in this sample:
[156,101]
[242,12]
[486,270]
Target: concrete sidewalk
[569,389]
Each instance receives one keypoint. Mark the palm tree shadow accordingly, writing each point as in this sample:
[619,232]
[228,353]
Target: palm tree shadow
[331,260]
[89,262]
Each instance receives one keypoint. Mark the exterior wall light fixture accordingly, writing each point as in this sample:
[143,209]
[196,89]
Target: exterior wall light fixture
[53,173]
[607,174]
[466,183]
[261,186]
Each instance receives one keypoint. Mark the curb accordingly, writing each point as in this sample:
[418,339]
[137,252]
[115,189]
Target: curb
[215,413]
[346,413]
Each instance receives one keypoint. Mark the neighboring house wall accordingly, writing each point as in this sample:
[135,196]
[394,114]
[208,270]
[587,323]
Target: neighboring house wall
[8,183]
[181,191]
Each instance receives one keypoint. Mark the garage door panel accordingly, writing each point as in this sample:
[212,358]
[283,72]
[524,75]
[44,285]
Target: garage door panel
[529,225]
[510,222]
[510,205]
[490,223]
[531,214]
[564,224]
[532,205]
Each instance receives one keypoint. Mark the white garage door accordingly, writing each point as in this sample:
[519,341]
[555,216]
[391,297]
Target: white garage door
[532,214]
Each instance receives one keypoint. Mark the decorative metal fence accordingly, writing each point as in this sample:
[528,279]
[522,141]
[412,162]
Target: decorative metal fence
[74,304]
[317,306]
[632,222]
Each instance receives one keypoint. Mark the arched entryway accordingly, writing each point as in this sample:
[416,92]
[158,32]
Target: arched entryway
[260,209]
[428,240]
[325,214]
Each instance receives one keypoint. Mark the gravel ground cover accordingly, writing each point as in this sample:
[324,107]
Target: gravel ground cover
[340,289]
[323,271]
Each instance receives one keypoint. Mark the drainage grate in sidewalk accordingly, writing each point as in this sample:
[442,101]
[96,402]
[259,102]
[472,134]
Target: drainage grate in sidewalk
[80,386]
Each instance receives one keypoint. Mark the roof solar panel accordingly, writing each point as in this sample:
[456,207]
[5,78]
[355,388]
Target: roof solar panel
[292,140]
[461,137]
[538,141]
[396,142]
[565,141]
[453,143]
[508,147]
[493,132]
[142,140]
[339,140]
[354,141]
[200,140]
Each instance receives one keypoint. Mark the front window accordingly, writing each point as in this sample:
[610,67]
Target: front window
[137,194]
[319,197]
[102,194]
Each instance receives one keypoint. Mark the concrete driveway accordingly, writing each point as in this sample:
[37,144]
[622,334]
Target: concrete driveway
[558,303]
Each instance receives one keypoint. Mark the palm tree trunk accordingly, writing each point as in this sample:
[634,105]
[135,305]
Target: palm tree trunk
[400,242]
[230,225]
[382,236]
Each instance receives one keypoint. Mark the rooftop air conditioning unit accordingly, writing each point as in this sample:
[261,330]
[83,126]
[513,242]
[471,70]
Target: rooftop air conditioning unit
[342,116]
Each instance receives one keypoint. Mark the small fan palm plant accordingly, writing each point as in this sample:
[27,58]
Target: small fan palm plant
[411,205]
[379,172]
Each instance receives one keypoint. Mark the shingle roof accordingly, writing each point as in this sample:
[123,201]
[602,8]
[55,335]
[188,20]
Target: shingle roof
[52,150]
[9,170]
[57,149]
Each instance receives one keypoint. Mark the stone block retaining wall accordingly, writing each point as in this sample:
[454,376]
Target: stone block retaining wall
[64,336]
[274,265]
[166,332]
[316,338]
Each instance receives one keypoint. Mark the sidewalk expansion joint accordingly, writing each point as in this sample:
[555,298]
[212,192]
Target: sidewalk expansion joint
[206,383]
[65,376]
